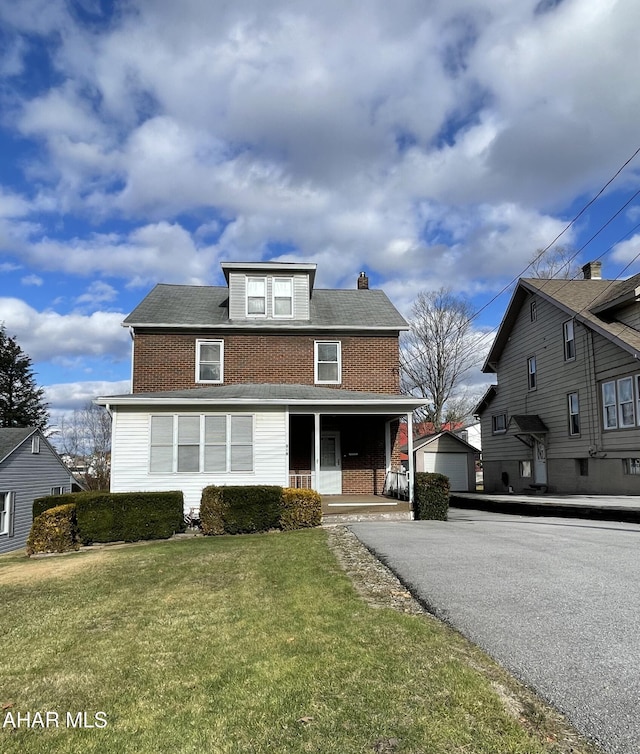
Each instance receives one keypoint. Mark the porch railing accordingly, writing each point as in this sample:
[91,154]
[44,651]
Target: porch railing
[301,481]
[396,484]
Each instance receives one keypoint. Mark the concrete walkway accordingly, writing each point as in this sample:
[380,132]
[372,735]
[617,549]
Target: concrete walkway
[624,508]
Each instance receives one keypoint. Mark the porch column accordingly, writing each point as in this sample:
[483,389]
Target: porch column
[410,453]
[316,451]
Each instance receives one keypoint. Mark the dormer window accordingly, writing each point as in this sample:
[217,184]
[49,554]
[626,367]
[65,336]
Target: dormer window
[282,297]
[256,297]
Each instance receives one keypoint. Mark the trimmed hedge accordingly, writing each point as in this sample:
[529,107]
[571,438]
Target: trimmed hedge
[240,509]
[122,516]
[42,504]
[300,508]
[431,495]
[54,530]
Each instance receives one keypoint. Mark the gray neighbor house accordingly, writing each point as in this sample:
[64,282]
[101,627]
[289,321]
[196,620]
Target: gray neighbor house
[29,468]
[564,415]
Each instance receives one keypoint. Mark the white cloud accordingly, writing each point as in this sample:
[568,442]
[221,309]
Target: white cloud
[97,293]
[32,280]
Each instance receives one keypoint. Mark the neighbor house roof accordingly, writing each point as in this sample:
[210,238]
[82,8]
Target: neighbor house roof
[11,438]
[583,300]
[208,307]
[266,394]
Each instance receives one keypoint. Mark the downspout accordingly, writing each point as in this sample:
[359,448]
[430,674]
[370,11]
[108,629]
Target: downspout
[410,454]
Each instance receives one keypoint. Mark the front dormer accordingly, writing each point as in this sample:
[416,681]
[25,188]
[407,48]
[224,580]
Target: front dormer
[269,290]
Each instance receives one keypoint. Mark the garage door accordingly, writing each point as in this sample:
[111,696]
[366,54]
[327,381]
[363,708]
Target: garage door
[453,465]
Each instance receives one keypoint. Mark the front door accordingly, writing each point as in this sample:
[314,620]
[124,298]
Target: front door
[539,463]
[330,478]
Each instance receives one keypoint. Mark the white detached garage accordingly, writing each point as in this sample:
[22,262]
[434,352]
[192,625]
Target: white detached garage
[447,454]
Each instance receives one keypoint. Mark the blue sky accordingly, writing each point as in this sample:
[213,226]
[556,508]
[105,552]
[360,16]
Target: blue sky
[430,144]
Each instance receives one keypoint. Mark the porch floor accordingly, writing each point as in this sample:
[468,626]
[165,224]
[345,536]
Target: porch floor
[343,508]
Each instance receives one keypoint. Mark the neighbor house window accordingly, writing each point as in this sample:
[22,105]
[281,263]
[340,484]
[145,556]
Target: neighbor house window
[609,406]
[209,360]
[531,372]
[626,404]
[327,362]
[282,297]
[57,490]
[256,297]
[35,444]
[569,340]
[631,466]
[214,444]
[498,423]
[534,311]
[574,413]
[525,468]
[6,499]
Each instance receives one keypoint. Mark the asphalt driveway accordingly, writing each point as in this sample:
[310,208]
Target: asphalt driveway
[556,601]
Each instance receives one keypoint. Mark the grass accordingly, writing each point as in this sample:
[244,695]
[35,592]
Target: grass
[234,644]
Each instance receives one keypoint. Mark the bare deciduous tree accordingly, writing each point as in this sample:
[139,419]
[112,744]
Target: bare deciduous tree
[556,262]
[85,438]
[437,354]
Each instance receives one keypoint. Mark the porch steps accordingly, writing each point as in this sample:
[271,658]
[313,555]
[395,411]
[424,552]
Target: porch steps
[333,519]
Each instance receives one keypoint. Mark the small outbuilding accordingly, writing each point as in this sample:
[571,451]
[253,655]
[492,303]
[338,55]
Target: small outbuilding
[444,453]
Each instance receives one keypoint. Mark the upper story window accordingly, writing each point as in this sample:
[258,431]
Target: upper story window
[498,423]
[569,340]
[609,406]
[328,366]
[209,360]
[283,297]
[256,297]
[532,375]
[626,405]
[35,444]
[574,414]
[533,308]
[618,404]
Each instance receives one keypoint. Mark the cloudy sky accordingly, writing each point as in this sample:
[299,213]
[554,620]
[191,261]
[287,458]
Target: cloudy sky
[431,143]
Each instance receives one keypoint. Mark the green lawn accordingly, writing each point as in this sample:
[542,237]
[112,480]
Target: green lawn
[234,644]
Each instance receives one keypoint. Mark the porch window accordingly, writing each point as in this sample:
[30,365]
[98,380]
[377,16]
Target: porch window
[569,340]
[282,297]
[212,443]
[256,297]
[574,414]
[327,362]
[531,371]
[209,360]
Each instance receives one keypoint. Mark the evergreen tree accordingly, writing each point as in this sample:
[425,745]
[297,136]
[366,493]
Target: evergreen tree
[21,400]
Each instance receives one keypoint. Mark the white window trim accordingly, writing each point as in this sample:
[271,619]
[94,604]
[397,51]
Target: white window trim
[252,315]
[35,444]
[316,362]
[566,339]
[495,431]
[202,445]
[532,373]
[571,413]
[606,405]
[7,501]
[621,424]
[210,341]
[58,490]
[273,297]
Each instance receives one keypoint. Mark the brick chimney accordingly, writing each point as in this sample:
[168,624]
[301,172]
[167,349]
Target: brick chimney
[592,271]
[363,282]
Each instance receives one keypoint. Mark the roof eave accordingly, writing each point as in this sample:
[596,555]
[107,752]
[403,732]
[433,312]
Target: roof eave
[270,326]
[408,404]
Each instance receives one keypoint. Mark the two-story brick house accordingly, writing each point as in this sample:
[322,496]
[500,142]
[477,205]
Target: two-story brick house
[565,414]
[266,380]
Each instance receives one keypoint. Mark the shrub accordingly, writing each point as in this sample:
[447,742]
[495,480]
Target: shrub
[300,508]
[241,509]
[54,530]
[129,516]
[42,504]
[431,496]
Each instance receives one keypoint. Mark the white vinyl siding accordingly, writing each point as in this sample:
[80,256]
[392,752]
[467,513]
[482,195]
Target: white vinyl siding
[131,466]
[209,361]
[328,365]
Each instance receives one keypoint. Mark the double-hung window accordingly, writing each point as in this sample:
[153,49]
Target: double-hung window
[6,501]
[256,297]
[209,361]
[328,362]
[531,372]
[574,414]
[626,404]
[35,444]
[498,423]
[212,443]
[569,340]
[283,297]
[609,405]
[619,403]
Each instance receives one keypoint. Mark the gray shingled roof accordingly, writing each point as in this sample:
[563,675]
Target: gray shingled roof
[11,438]
[578,298]
[281,393]
[207,306]
[528,424]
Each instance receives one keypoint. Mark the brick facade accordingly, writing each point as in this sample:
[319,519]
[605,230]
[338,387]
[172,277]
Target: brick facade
[166,360]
